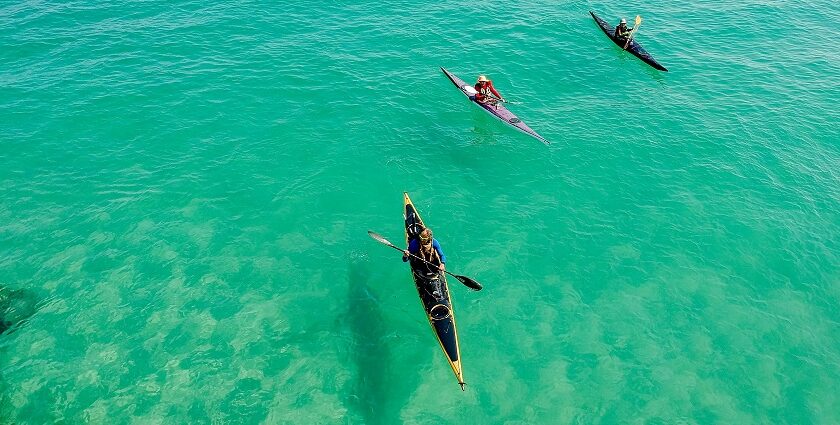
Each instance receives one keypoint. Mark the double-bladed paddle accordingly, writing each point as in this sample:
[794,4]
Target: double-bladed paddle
[469,283]
[632,33]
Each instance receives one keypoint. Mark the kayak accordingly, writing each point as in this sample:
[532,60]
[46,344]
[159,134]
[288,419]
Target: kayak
[634,47]
[434,294]
[495,109]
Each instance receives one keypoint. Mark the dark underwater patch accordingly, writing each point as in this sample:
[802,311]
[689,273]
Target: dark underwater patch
[16,307]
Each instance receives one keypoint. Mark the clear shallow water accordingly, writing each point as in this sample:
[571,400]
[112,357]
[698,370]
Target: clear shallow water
[187,189]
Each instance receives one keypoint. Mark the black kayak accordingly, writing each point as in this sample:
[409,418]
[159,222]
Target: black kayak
[634,47]
[434,294]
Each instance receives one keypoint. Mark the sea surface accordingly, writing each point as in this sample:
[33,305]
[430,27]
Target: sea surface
[186,189]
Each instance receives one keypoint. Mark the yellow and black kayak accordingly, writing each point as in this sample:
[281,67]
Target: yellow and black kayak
[434,294]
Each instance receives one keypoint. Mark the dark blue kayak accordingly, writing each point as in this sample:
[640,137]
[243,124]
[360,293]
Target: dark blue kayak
[434,294]
[633,47]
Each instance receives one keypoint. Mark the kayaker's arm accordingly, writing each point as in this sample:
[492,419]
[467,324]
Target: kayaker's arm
[436,246]
[496,93]
[413,247]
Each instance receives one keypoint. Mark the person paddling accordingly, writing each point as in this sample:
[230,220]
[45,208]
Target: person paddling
[485,89]
[622,31]
[427,248]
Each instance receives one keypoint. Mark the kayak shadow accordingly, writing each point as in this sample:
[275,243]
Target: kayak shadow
[372,391]
[628,61]
[16,307]
[482,131]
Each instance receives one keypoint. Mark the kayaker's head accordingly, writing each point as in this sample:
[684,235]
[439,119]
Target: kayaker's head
[482,79]
[426,237]
[623,21]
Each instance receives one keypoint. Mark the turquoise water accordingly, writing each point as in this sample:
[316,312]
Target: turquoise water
[187,189]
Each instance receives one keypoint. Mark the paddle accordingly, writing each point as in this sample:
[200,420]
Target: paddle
[469,283]
[632,33]
[512,102]
[471,91]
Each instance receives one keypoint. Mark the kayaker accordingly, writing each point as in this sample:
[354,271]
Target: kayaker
[427,248]
[485,88]
[622,31]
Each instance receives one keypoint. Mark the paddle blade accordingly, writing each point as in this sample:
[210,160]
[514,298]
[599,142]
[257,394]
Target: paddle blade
[379,238]
[638,20]
[469,283]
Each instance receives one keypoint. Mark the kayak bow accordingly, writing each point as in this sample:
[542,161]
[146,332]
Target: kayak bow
[633,47]
[495,109]
[438,306]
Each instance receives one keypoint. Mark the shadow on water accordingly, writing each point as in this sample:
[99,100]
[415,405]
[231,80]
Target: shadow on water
[372,392]
[16,307]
